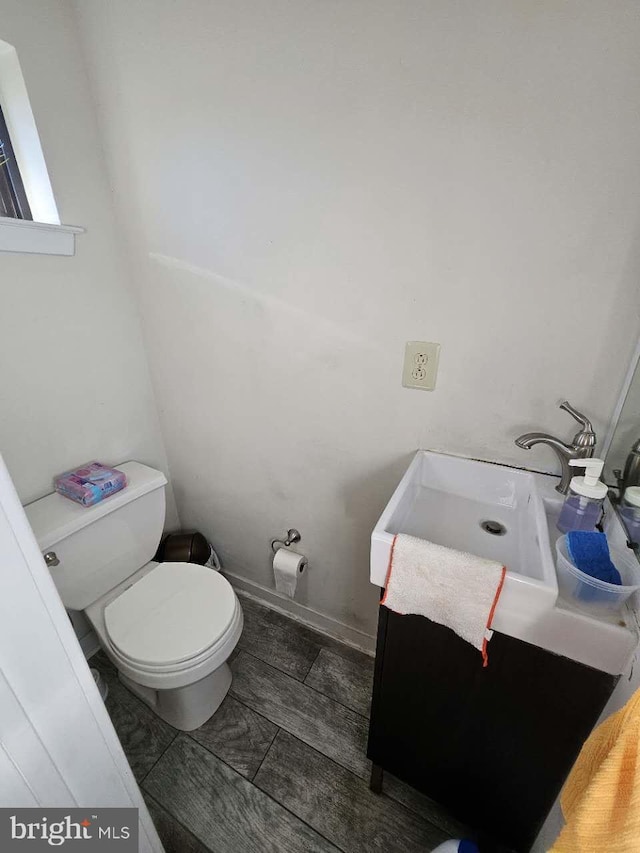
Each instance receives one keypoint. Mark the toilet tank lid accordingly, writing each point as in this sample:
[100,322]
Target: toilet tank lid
[54,518]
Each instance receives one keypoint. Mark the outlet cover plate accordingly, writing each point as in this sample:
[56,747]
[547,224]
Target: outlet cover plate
[420,365]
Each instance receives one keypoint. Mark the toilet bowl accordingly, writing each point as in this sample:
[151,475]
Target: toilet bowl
[168,628]
[169,631]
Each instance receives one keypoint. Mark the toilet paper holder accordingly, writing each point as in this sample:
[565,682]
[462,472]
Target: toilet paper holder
[292,537]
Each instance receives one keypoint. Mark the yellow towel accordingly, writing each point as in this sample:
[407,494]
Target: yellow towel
[601,798]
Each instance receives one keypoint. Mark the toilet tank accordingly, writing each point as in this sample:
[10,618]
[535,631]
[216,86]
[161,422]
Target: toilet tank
[100,546]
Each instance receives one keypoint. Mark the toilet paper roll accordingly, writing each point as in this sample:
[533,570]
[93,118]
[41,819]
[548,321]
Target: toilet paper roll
[287,567]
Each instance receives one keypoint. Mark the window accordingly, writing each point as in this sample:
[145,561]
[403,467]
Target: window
[29,219]
[13,199]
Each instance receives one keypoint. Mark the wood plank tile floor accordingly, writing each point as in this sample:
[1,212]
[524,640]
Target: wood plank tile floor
[282,765]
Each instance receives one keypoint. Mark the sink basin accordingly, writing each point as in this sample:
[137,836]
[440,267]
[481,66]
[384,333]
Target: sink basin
[446,500]
[489,510]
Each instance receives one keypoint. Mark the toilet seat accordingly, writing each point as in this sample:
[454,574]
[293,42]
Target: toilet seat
[216,653]
[174,617]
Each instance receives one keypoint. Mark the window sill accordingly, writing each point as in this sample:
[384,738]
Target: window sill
[37,238]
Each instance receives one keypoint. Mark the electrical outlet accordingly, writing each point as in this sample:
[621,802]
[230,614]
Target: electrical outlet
[420,365]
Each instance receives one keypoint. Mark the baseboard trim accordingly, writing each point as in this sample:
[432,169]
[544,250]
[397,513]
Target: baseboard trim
[89,644]
[307,615]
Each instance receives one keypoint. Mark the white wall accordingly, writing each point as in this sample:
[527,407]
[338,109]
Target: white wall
[309,184]
[75,383]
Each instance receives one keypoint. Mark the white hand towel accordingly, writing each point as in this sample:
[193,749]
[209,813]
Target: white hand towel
[449,587]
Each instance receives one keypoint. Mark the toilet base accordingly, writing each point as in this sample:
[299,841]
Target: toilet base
[189,707]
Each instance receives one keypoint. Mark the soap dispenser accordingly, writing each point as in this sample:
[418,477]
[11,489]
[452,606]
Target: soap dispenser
[582,508]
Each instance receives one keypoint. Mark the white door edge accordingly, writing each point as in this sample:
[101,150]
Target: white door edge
[58,746]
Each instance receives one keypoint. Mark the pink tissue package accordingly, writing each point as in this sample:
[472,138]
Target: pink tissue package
[90,484]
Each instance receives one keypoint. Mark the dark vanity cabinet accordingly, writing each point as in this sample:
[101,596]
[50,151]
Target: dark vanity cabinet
[492,745]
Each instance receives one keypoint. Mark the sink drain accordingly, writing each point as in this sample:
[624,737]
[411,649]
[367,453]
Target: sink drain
[493,527]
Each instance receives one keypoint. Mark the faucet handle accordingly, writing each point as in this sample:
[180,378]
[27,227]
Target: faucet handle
[578,416]
[585,440]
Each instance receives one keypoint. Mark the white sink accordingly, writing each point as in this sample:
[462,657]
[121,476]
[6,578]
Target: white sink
[446,499]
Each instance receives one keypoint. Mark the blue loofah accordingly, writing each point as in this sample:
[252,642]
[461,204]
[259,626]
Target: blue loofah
[589,552]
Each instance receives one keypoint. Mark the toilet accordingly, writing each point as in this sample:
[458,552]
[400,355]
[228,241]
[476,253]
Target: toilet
[169,628]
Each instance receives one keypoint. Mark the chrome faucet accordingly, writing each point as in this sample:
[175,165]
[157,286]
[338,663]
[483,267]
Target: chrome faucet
[582,446]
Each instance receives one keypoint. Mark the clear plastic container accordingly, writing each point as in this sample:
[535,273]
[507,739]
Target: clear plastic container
[589,593]
[582,509]
[579,513]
